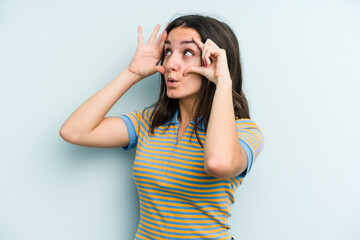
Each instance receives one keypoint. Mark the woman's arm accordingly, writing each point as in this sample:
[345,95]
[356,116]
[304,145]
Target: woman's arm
[223,155]
[87,125]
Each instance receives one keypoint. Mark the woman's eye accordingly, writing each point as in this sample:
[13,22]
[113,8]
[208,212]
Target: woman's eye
[167,52]
[188,53]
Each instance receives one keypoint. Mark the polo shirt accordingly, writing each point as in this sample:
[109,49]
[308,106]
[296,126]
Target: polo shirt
[178,199]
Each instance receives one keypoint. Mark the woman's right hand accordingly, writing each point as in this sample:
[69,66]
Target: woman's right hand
[87,125]
[147,56]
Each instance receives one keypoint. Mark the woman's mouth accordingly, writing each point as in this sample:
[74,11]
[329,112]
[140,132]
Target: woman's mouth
[171,82]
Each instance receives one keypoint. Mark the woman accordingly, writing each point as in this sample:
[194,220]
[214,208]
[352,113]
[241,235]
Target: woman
[195,145]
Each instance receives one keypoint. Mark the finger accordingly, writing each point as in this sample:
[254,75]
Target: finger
[140,36]
[162,42]
[160,69]
[199,43]
[203,56]
[210,54]
[201,47]
[154,34]
[210,42]
[206,72]
[211,46]
[161,37]
[206,56]
[197,70]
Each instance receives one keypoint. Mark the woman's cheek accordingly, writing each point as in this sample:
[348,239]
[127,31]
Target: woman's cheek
[193,62]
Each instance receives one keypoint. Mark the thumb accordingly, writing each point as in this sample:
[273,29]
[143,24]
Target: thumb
[197,70]
[160,69]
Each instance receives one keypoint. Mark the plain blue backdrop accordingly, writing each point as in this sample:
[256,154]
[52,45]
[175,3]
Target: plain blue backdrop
[301,70]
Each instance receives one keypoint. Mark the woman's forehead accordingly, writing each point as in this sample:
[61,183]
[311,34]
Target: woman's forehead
[181,34]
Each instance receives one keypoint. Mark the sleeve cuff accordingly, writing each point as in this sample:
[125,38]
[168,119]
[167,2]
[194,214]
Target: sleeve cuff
[249,154]
[131,132]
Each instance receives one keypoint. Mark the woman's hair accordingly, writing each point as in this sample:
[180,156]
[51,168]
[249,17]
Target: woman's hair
[222,35]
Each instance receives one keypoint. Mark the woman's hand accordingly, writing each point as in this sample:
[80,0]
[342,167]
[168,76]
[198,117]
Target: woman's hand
[223,155]
[147,56]
[215,62]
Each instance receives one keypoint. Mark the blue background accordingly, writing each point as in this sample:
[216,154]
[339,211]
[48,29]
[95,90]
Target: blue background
[301,70]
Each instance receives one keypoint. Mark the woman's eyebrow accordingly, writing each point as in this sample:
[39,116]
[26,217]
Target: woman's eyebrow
[187,42]
[183,42]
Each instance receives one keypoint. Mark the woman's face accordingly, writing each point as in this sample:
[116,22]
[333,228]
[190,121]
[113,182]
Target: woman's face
[180,53]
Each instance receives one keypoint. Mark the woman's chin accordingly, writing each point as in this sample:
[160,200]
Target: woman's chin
[172,95]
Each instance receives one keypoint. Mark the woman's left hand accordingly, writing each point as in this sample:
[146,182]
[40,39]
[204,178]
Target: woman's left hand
[215,67]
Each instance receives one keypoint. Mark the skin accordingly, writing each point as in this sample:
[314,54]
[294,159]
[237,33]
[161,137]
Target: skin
[184,62]
[182,52]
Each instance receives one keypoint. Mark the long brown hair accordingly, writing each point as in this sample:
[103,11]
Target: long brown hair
[220,33]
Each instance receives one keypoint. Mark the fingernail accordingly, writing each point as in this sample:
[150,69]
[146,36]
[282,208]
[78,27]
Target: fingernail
[205,64]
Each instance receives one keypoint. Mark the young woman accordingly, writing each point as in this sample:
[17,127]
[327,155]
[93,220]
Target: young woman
[195,145]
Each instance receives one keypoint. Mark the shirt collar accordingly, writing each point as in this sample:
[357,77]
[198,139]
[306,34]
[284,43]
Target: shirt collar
[175,121]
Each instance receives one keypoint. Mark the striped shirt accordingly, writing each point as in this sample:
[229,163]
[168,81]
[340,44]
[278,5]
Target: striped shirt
[178,199]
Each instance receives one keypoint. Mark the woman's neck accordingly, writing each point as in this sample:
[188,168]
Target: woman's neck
[186,108]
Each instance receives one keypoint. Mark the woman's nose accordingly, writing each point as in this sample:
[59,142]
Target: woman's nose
[172,63]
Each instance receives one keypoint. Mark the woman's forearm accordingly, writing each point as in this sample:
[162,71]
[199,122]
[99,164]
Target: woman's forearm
[90,114]
[224,157]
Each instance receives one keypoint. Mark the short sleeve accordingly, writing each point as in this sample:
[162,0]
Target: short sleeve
[132,122]
[251,139]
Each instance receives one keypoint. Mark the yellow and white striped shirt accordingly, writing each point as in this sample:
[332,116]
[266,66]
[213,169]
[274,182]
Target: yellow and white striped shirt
[178,199]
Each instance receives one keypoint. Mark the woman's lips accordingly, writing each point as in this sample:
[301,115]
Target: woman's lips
[171,82]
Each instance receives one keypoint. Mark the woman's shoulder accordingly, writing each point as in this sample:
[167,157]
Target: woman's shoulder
[243,120]
[140,115]
[248,130]
[147,113]
[247,123]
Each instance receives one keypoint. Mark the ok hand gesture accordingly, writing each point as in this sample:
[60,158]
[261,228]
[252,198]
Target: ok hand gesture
[147,56]
[215,62]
